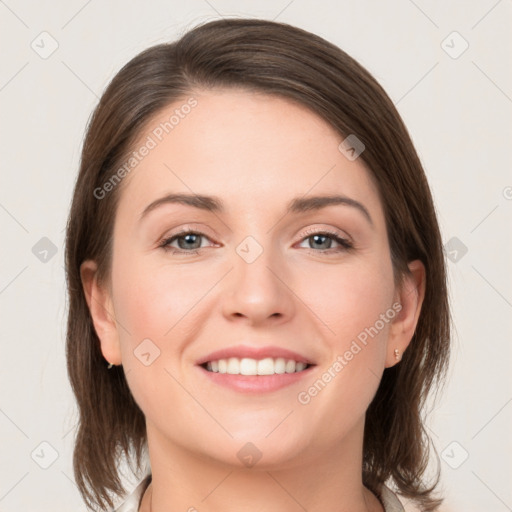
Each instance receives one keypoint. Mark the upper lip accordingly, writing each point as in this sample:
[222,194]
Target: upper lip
[241,351]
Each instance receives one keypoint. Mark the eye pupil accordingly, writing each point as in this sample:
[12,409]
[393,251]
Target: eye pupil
[189,239]
[316,237]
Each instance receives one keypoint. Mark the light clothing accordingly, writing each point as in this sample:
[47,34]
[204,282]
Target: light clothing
[132,501]
[389,500]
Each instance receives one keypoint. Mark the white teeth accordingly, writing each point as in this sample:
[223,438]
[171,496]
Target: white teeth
[248,366]
[290,366]
[233,366]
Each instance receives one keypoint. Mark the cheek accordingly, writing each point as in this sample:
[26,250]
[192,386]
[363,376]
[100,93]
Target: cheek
[156,302]
[356,306]
[350,299]
[157,307]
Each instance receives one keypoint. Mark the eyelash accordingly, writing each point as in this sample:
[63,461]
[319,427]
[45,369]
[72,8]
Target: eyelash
[345,244]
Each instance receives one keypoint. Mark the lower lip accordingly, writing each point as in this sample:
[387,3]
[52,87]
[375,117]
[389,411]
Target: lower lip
[256,383]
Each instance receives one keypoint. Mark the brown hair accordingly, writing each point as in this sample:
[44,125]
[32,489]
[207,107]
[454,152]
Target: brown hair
[279,59]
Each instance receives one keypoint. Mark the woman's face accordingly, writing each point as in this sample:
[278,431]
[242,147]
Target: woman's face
[258,274]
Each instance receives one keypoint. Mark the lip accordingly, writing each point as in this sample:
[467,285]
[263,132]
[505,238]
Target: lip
[255,384]
[241,351]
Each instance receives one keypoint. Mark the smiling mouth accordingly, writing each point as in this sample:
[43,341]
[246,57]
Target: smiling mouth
[248,366]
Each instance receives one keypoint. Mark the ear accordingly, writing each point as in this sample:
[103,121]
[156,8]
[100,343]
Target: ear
[101,308]
[410,296]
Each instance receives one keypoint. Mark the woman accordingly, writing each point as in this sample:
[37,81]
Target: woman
[257,286]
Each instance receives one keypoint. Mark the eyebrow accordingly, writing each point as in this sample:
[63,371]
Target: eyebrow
[297,205]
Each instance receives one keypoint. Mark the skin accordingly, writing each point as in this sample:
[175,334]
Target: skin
[256,153]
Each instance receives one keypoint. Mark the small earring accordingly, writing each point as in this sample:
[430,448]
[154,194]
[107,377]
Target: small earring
[397,355]
[110,366]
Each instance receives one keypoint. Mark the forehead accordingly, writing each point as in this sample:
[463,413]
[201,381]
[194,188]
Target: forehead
[247,147]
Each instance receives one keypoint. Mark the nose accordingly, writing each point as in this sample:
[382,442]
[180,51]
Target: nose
[258,291]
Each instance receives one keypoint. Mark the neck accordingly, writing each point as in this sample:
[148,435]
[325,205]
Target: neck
[190,481]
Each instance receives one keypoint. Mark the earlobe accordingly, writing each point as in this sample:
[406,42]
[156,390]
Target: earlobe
[102,312]
[411,297]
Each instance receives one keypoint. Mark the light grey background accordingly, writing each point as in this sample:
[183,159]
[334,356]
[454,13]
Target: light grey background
[457,109]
